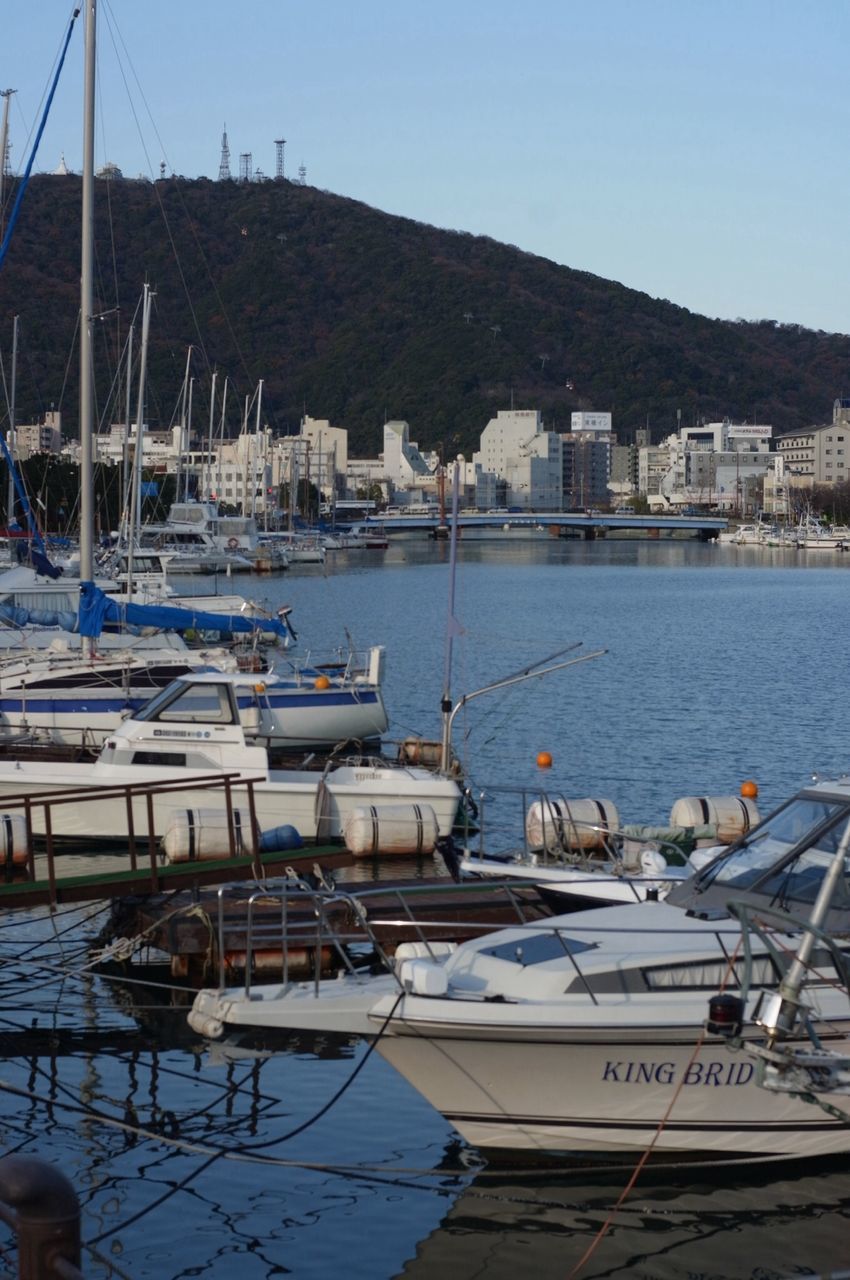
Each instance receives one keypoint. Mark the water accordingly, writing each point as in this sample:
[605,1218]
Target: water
[722,664]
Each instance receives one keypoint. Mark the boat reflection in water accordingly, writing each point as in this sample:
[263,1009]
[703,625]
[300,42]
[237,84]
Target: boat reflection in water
[734,1223]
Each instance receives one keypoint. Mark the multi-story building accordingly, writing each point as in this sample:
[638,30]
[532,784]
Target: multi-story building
[39,437]
[515,448]
[818,455]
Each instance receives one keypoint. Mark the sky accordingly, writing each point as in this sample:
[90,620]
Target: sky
[692,149]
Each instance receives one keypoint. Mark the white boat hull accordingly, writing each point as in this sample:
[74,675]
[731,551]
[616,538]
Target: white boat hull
[620,1094]
[316,805]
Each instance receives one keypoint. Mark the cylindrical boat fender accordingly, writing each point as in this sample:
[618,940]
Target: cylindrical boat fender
[390,829]
[281,838]
[559,825]
[732,816]
[201,835]
[13,840]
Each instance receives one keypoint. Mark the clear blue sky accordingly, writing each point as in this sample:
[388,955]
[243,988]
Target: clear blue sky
[694,149]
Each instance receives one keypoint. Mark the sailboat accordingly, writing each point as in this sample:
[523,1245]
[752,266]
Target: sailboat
[67,692]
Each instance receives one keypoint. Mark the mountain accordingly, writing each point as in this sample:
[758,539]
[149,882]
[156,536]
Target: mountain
[358,316]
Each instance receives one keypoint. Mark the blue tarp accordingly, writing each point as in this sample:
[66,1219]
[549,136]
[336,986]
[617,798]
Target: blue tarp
[97,609]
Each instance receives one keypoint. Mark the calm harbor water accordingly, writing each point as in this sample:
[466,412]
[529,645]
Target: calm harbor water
[722,664]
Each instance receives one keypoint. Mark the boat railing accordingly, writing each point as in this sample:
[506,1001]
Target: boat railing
[331,922]
[141,835]
[817,959]
[345,665]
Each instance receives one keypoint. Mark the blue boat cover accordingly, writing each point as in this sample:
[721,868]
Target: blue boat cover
[97,609]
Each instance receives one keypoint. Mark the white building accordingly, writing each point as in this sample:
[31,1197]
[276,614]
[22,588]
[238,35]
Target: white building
[329,453]
[516,449]
[404,465]
[39,437]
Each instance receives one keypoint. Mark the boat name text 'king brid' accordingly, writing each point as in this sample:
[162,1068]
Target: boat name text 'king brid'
[714,1073]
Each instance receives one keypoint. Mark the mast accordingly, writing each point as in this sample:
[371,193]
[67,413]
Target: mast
[453,629]
[210,448]
[10,493]
[181,456]
[86,309]
[257,454]
[124,530]
[139,458]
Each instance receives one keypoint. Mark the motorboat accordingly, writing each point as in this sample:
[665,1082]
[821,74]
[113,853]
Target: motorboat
[202,540]
[56,696]
[588,1032]
[192,732]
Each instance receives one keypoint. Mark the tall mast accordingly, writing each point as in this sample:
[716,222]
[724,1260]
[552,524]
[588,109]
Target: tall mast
[139,452]
[10,494]
[124,533]
[86,309]
[208,495]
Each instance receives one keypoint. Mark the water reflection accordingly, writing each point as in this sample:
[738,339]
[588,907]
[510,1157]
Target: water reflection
[737,1224]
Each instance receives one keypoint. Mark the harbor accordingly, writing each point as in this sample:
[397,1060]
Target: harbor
[466,885]
[159,1099]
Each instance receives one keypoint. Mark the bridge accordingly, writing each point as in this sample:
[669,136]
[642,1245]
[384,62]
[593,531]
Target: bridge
[704,527]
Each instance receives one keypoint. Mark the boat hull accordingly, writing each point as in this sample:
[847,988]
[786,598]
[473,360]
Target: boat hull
[316,805]
[561,1090]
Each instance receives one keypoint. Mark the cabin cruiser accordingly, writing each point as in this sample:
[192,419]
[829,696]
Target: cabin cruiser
[202,540]
[588,1032]
[192,732]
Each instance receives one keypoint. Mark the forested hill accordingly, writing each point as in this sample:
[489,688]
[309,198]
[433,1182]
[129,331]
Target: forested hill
[357,316]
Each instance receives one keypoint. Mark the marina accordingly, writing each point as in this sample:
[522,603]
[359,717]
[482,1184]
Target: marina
[635,726]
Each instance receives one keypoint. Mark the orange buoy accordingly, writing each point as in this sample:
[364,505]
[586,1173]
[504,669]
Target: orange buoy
[749,789]
[544,760]
[321,682]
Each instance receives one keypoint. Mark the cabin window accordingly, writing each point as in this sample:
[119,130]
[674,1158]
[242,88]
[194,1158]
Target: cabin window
[173,759]
[798,825]
[538,947]
[197,703]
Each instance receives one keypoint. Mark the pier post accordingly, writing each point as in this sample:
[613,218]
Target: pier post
[41,1205]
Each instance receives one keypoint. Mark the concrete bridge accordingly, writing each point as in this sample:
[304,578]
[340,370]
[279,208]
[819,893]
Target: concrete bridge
[704,527]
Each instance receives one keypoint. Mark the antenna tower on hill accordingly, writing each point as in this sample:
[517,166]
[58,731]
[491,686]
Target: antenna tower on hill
[302,175]
[279,144]
[245,166]
[224,165]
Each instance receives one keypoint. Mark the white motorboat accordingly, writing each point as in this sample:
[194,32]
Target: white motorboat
[192,731]
[57,696]
[588,1033]
[201,540]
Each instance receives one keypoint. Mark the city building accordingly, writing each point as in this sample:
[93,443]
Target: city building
[818,455]
[516,450]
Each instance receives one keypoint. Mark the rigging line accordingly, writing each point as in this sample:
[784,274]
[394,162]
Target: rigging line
[16,209]
[201,347]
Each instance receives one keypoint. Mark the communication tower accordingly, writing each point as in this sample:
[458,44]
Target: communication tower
[245,166]
[302,175]
[279,144]
[224,165]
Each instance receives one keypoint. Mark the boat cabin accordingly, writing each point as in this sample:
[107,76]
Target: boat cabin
[196,722]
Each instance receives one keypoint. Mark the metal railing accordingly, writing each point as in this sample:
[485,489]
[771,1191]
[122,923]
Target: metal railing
[39,810]
[332,922]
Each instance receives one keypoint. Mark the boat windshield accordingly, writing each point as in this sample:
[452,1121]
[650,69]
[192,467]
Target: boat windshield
[786,857]
[196,703]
